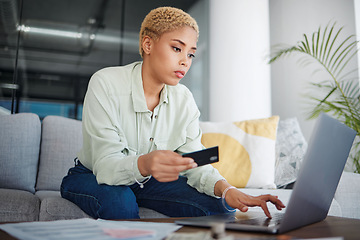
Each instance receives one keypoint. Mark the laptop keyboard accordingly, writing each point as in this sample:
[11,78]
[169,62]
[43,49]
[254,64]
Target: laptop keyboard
[262,221]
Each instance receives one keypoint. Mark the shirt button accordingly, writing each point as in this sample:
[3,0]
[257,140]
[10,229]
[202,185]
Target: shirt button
[151,139]
[156,116]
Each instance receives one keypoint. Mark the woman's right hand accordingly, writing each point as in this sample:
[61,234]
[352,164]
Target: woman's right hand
[164,165]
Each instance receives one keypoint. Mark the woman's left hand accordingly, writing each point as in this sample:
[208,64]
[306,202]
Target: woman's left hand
[237,199]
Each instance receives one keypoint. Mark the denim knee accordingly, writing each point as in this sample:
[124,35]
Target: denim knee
[105,204]
[177,199]
[118,204]
[98,200]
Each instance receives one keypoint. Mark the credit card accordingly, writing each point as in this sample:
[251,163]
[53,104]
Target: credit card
[205,156]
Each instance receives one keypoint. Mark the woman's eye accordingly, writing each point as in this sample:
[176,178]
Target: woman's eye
[177,49]
[191,55]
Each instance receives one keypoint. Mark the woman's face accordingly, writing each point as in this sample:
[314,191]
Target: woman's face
[170,56]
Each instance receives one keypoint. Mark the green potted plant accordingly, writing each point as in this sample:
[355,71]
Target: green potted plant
[340,93]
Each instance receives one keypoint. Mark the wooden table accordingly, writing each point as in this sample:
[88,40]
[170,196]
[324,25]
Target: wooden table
[330,227]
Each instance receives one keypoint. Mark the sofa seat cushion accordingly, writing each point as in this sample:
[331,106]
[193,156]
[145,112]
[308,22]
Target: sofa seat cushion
[149,213]
[18,205]
[19,151]
[58,208]
[47,194]
[348,194]
[53,207]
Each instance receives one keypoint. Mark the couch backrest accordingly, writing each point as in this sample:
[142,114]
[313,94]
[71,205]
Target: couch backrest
[19,150]
[61,139]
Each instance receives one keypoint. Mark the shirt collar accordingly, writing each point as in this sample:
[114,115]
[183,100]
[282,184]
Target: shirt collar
[164,98]
[137,90]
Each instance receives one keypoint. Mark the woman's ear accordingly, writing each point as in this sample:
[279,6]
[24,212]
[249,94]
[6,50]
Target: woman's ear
[146,44]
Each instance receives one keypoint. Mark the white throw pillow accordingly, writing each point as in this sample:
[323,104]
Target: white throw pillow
[246,150]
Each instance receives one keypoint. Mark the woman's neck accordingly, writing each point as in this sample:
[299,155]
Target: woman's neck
[152,89]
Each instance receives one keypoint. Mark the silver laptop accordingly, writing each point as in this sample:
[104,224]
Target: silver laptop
[314,189]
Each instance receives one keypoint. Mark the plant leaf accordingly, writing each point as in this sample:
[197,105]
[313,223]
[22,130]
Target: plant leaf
[340,93]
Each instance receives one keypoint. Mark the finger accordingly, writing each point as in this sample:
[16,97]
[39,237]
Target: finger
[189,162]
[166,177]
[175,169]
[273,199]
[165,171]
[265,209]
[173,166]
[186,160]
[279,205]
[242,207]
[261,202]
[178,160]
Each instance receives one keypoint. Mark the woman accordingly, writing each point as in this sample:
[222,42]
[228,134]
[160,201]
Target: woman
[137,121]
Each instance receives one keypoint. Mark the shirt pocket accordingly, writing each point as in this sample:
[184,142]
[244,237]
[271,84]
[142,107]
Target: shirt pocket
[170,144]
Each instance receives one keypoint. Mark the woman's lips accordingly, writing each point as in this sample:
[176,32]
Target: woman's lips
[180,74]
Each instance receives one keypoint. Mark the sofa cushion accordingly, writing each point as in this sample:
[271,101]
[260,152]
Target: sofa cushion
[149,213]
[19,148]
[60,141]
[348,194]
[58,208]
[47,194]
[53,207]
[18,205]
[246,150]
[290,150]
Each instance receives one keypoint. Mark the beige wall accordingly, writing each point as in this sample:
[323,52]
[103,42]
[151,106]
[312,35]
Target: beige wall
[239,75]
[289,19]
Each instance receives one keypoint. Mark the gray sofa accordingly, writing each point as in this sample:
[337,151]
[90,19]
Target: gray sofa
[35,155]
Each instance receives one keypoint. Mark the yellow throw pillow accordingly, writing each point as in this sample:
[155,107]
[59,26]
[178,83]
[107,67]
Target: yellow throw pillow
[246,150]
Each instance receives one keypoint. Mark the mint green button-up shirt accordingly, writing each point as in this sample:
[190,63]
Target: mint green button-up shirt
[118,128]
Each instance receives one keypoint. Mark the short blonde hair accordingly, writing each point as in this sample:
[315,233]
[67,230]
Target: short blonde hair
[164,19]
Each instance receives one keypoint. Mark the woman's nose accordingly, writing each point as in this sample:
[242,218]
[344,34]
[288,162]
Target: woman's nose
[184,61]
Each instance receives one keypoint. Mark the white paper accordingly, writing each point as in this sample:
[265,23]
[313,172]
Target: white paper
[84,228]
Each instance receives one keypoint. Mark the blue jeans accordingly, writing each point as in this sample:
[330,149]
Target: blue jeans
[174,199]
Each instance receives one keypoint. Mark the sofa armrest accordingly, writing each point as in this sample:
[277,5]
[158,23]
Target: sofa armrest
[348,195]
